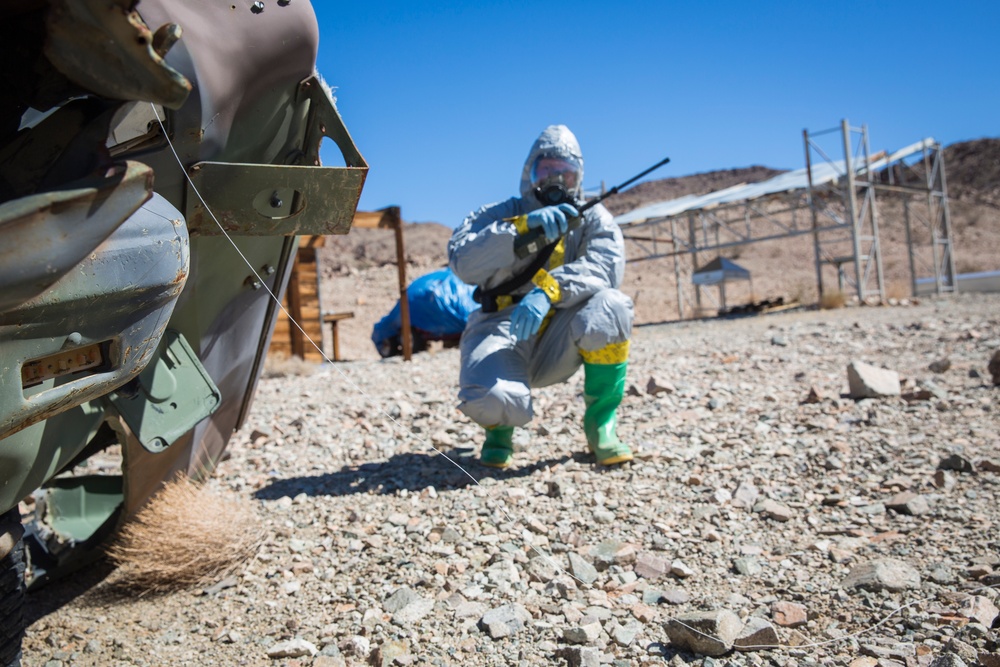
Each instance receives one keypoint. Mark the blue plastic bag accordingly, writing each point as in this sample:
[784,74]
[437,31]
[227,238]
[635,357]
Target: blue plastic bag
[440,305]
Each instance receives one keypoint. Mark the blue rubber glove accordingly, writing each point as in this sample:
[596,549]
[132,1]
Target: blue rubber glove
[552,220]
[528,314]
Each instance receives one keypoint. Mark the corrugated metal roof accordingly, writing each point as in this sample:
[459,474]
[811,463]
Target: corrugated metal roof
[825,172]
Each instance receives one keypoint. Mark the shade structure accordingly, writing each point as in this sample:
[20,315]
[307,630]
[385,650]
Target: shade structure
[719,270]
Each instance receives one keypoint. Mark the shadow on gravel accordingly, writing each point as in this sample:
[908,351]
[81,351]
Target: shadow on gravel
[41,602]
[410,471]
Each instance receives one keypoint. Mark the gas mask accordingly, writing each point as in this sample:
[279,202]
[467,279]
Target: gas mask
[555,180]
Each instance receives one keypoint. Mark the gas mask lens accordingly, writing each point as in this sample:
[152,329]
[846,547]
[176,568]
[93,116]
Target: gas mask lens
[553,170]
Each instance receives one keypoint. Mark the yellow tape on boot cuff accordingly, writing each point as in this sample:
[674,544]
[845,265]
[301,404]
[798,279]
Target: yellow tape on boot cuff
[613,353]
[544,281]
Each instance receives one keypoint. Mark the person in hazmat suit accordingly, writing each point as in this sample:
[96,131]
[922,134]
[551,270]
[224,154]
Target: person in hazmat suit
[537,326]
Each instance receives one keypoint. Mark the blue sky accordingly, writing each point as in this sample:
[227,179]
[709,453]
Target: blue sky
[445,99]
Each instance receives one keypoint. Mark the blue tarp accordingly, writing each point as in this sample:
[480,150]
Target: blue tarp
[440,305]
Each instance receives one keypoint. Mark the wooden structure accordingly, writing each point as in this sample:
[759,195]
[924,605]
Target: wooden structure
[302,298]
[302,301]
[332,319]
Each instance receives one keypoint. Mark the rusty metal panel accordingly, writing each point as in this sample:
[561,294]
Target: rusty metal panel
[283,200]
[35,253]
[273,200]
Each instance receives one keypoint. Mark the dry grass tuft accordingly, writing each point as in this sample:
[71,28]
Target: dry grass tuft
[279,366]
[187,536]
[832,300]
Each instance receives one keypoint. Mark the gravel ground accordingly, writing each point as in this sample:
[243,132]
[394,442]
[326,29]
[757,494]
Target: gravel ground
[765,506]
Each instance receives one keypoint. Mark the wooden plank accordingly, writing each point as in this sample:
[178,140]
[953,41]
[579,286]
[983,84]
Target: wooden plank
[374,220]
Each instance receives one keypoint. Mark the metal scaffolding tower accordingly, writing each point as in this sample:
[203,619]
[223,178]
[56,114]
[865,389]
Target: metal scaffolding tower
[833,200]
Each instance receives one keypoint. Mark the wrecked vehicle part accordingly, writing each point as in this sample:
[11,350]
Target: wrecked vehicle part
[33,229]
[124,59]
[254,119]
[265,107]
[87,335]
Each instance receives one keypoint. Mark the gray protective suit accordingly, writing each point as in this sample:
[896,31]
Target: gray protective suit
[498,371]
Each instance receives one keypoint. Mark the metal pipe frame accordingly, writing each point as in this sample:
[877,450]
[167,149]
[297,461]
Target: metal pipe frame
[848,205]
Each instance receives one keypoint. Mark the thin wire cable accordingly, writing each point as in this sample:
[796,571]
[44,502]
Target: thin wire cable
[498,503]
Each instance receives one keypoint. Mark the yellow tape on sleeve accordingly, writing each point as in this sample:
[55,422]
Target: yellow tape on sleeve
[544,280]
[520,223]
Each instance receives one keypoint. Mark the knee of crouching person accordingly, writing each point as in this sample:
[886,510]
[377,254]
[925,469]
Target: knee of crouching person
[505,402]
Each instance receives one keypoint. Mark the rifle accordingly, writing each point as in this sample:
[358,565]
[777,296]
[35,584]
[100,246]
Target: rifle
[553,195]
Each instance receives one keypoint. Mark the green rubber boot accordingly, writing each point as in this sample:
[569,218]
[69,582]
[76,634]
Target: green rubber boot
[498,449]
[603,388]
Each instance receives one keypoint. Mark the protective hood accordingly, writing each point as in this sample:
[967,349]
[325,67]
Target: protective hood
[554,141]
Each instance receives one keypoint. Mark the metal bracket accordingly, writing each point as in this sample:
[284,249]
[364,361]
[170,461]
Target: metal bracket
[169,397]
[283,200]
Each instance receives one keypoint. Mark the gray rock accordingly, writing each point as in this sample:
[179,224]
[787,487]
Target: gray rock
[675,596]
[680,569]
[867,381]
[746,495]
[748,566]
[604,516]
[757,635]
[651,566]
[604,554]
[543,569]
[710,633]
[979,608]
[962,649]
[468,609]
[293,648]
[940,365]
[947,660]
[393,652]
[932,388]
[357,646]
[504,621]
[413,612]
[624,635]
[885,574]
[669,596]
[399,599]
[908,502]
[772,509]
[580,568]
[582,634]
[582,656]
[941,574]
[656,386]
